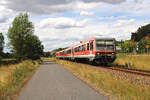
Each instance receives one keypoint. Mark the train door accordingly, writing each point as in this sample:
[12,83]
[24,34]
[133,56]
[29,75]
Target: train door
[87,49]
[91,47]
[72,53]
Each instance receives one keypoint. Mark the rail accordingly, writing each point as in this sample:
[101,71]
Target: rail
[130,70]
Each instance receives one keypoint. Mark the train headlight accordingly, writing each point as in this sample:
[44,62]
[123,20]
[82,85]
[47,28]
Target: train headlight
[98,53]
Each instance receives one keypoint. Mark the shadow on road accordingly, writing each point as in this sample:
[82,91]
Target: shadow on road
[47,63]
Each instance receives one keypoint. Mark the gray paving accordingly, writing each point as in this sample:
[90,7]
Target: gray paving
[53,82]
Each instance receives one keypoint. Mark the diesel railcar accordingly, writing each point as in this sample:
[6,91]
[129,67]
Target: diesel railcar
[96,50]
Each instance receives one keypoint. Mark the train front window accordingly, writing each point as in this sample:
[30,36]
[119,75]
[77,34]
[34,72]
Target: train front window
[110,42]
[110,47]
[104,44]
[100,42]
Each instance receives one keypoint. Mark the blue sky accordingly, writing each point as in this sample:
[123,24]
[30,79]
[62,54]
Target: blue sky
[60,23]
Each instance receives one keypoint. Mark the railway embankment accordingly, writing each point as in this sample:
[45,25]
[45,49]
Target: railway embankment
[116,84]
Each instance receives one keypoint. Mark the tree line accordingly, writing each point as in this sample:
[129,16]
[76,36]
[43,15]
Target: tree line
[139,42]
[23,42]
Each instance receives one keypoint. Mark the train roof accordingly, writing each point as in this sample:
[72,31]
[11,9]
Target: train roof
[64,49]
[105,38]
[86,41]
[102,38]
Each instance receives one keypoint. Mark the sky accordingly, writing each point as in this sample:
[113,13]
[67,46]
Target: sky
[61,23]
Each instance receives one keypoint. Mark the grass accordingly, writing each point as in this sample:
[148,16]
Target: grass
[134,61]
[13,77]
[106,82]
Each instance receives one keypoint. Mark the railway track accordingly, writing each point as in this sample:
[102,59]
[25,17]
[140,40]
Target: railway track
[130,70]
[123,69]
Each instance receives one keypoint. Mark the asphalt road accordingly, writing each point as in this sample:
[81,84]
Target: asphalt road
[53,82]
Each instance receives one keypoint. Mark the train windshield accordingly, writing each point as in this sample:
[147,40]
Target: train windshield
[105,45]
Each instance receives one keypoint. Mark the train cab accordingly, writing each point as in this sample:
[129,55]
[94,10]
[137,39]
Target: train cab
[104,50]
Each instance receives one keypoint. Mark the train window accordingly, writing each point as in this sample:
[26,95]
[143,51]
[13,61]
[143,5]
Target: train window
[91,45]
[68,51]
[87,46]
[65,52]
[80,48]
[110,47]
[110,42]
[83,47]
[76,49]
[100,42]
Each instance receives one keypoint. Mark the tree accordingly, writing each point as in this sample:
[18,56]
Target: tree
[144,45]
[133,46]
[1,45]
[147,39]
[141,33]
[33,47]
[128,46]
[21,38]
[141,46]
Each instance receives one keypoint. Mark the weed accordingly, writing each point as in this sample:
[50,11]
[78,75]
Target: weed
[120,89]
[134,61]
[17,74]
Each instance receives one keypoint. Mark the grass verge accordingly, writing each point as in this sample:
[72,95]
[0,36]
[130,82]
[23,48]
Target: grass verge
[141,61]
[13,77]
[106,82]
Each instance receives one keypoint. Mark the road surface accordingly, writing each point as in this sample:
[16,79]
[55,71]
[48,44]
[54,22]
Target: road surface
[53,82]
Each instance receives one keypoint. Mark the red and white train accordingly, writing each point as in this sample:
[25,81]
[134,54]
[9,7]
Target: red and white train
[97,50]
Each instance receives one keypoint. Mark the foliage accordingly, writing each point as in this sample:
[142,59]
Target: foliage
[141,33]
[141,45]
[59,49]
[46,54]
[53,52]
[1,45]
[24,43]
[140,41]
[128,46]
[144,45]
[33,47]
[7,55]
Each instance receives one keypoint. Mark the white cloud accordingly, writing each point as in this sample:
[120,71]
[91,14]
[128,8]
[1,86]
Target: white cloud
[54,37]
[4,14]
[129,8]
[62,23]
[52,6]
[121,23]
[86,13]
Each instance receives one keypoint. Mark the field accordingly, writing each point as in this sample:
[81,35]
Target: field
[13,77]
[116,85]
[134,61]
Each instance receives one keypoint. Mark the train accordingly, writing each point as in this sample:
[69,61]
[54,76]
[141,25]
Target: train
[95,50]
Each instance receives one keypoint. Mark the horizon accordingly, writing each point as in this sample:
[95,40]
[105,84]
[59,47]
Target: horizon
[75,20]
